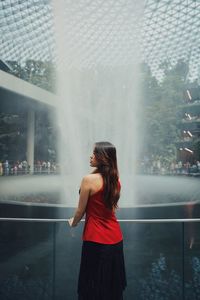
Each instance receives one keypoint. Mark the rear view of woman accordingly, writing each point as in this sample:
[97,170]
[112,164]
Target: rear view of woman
[102,271]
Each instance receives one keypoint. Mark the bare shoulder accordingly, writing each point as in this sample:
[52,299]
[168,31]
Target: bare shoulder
[90,178]
[93,182]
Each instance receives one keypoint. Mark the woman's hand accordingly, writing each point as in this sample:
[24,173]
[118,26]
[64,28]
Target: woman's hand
[70,221]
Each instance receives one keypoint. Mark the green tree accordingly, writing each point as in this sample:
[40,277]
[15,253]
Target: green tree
[12,136]
[13,126]
[161,110]
[39,73]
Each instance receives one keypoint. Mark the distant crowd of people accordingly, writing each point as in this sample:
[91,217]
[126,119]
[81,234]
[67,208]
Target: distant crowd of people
[161,167]
[22,168]
[145,166]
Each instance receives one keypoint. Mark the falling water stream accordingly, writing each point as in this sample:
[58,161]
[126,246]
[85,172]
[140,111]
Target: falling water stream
[98,96]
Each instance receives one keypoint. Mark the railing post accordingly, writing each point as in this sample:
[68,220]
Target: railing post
[54,261]
[183,260]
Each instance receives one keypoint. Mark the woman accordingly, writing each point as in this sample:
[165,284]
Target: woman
[102,271]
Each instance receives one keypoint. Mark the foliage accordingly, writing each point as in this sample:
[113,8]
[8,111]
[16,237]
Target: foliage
[39,73]
[45,138]
[193,286]
[161,102]
[156,285]
[12,134]
[162,283]
[28,288]
[13,127]
[197,149]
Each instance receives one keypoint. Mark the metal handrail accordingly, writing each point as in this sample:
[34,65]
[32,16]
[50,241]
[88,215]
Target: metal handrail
[119,220]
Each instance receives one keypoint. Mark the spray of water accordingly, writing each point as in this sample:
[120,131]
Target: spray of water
[98,96]
[150,190]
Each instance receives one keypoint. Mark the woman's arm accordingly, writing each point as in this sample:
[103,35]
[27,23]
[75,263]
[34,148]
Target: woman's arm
[83,199]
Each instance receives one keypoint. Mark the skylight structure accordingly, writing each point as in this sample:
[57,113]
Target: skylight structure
[104,33]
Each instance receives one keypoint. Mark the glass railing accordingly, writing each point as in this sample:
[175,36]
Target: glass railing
[40,258]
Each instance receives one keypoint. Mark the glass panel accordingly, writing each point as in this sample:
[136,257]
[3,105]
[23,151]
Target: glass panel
[192,261]
[157,264]
[153,254]
[26,261]
[153,257]
[68,254]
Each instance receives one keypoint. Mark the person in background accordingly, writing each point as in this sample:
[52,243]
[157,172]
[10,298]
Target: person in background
[102,274]
[6,167]
[1,168]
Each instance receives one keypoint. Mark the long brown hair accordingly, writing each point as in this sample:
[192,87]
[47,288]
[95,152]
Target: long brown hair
[106,157]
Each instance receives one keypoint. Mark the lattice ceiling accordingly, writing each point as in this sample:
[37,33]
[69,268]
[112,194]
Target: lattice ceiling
[103,32]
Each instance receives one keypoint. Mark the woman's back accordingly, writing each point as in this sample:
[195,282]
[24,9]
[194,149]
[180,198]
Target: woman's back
[96,182]
[101,225]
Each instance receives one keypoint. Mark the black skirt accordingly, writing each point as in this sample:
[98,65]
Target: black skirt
[102,272]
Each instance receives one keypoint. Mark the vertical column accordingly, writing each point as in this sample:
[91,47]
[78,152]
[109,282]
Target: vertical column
[30,139]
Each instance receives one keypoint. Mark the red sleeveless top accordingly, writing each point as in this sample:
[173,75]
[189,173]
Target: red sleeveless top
[101,225]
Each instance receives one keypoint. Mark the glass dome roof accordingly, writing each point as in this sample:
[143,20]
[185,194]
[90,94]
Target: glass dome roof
[103,33]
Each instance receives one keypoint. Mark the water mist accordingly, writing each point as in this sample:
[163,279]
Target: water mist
[98,89]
